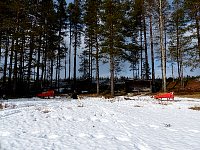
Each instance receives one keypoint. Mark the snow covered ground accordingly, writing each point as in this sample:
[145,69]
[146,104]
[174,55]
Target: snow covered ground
[100,124]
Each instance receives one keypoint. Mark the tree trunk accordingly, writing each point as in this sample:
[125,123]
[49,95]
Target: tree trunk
[173,71]
[97,65]
[75,51]
[65,63]
[145,50]
[15,69]
[70,47]
[178,49]
[51,74]
[11,64]
[89,57]
[5,61]
[112,70]
[30,62]
[21,70]
[141,53]
[162,48]
[152,55]
[91,61]
[59,53]
[181,69]
[38,61]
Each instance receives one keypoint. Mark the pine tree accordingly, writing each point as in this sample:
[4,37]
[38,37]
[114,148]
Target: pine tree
[131,26]
[62,25]
[84,65]
[192,12]
[178,40]
[113,39]
[77,28]
[150,13]
[161,7]
[92,35]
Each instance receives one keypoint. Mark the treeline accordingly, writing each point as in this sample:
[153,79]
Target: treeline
[40,39]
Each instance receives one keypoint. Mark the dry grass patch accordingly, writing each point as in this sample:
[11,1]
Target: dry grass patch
[195,108]
[137,106]
[1,106]
[46,111]
[43,110]
[193,95]
[9,106]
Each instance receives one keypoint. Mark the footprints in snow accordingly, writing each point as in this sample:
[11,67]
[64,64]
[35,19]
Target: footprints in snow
[154,126]
[97,136]
[194,131]
[4,133]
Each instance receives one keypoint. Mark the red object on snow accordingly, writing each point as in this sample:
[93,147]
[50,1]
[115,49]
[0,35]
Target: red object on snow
[165,95]
[49,93]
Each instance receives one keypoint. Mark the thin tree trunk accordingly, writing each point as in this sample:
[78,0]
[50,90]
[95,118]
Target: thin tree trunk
[165,32]
[112,63]
[59,67]
[11,63]
[51,74]
[65,63]
[43,63]
[5,61]
[181,69]
[152,55]
[21,60]
[45,74]
[38,60]
[173,72]
[15,70]
[178,50]
[91,61]
[75,51]
[141,53]
[162,48]
[89,56]
[30,62]
[70,47]
[97,65]
[145,48]
[112,69]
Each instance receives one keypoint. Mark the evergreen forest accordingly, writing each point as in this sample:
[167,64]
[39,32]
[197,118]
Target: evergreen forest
[46,43]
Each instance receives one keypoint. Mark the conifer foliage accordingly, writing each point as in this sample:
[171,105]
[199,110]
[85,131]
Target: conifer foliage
[41,39]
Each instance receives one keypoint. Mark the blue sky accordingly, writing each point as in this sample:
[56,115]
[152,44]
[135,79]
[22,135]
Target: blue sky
[104,68]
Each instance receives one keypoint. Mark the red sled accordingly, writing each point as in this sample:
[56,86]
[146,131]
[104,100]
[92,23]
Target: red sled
[168,96]
[49,93]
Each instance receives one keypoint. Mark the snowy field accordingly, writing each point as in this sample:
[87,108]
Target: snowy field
[100,124]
